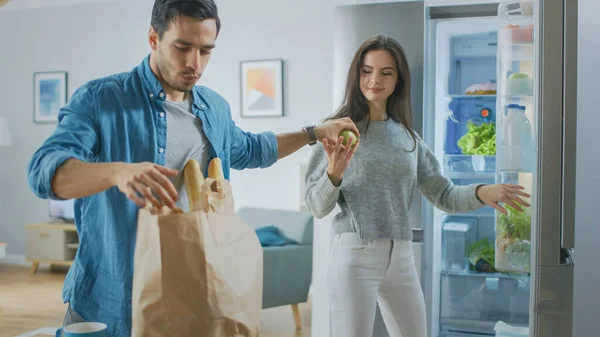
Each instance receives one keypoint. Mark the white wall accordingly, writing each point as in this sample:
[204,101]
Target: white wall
[587,224]
[81,40]
[17,5]
[84,41]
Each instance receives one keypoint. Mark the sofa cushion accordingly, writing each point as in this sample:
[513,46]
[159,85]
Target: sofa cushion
[270,236]
[287,274]
[296,225]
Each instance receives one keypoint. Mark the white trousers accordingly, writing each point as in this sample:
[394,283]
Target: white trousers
[363,273]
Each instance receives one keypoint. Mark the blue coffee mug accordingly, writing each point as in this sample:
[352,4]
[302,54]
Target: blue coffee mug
[83,330]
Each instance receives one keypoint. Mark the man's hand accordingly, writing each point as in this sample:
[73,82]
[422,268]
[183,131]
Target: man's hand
[146,182]
[288,143]
[331,129]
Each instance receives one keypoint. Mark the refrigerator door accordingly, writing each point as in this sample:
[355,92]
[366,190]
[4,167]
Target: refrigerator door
[556,29]
[536,149]
[464,298]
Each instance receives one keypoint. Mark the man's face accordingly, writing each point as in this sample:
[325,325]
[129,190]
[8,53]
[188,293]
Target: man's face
[184,50]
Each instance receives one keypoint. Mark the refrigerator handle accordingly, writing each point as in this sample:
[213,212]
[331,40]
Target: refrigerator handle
[566,259]
[569,123]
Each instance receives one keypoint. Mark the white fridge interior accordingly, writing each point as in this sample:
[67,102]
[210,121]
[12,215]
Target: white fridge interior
[467,297]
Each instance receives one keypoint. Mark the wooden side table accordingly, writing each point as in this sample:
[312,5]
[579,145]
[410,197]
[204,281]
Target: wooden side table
[54,243]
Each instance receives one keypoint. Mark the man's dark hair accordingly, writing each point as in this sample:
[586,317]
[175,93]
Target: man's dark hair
[166,11]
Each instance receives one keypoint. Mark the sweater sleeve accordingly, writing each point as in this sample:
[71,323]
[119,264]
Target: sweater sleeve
[321,195]
[440,190]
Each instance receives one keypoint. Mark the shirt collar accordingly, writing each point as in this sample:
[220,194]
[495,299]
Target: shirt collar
[153,86]
[155,89]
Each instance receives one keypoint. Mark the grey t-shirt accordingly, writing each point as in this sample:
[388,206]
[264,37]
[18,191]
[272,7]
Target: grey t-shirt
[185,140]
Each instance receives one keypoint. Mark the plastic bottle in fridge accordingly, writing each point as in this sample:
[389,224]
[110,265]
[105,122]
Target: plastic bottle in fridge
[515,151]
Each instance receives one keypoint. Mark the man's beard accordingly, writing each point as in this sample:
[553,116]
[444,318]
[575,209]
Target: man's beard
[170,78]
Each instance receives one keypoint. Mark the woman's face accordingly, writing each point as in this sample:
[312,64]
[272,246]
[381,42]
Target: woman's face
[378,76]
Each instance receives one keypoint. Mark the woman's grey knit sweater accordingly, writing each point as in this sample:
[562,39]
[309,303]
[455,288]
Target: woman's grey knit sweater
[379,183]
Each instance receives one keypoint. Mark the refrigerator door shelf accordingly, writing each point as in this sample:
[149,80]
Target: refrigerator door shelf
[516,34]
[479,298]
[517,52]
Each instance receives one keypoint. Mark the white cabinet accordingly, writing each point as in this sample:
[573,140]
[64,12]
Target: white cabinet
[52,243]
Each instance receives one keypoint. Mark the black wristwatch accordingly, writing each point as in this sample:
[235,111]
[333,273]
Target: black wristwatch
[312,135]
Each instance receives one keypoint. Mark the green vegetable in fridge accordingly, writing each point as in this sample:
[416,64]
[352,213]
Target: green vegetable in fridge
[479,139]
[517,225]
[482,249]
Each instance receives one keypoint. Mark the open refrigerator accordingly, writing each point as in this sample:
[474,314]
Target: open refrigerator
[463,294]
[500,108]
[497,86]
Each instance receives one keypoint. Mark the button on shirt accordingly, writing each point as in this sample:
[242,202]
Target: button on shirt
[121,118]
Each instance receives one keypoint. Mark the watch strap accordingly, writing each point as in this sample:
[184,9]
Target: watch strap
[312,135]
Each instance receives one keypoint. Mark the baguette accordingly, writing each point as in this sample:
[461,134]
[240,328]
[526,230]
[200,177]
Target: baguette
[215,169]
[194,180]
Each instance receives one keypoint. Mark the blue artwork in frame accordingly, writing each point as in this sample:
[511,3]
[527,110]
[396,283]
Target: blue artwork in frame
[50,95]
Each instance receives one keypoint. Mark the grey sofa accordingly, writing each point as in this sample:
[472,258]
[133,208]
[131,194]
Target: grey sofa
[287,269]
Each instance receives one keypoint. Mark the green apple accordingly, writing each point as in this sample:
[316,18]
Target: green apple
[348,136]
[518,76]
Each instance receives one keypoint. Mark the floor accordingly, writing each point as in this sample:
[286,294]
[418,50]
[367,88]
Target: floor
[29,302]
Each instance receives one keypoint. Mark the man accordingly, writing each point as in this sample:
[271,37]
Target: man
[122,142]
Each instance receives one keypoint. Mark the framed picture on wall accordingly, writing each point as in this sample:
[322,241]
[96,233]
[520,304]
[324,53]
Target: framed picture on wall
[49,95]
[262,88]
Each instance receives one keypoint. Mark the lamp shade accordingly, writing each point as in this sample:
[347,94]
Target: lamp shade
[5,138]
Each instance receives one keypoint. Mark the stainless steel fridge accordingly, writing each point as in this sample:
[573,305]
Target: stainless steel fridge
[497,105]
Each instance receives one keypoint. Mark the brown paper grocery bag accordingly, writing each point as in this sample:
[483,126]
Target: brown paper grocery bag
[200,273]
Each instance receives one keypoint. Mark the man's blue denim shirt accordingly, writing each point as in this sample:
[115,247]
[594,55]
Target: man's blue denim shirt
[120,118]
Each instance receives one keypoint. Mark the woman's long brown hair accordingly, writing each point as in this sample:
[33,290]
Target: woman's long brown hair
[398,105]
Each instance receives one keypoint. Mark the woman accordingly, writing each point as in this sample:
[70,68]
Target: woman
[373,183]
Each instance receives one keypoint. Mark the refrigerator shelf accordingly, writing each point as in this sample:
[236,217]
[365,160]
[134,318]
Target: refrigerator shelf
[521,277]
[518,98]
[460,327]
[485,212]
[469,96]
[511,175]
[471,175]
[475,300]
[475,166]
